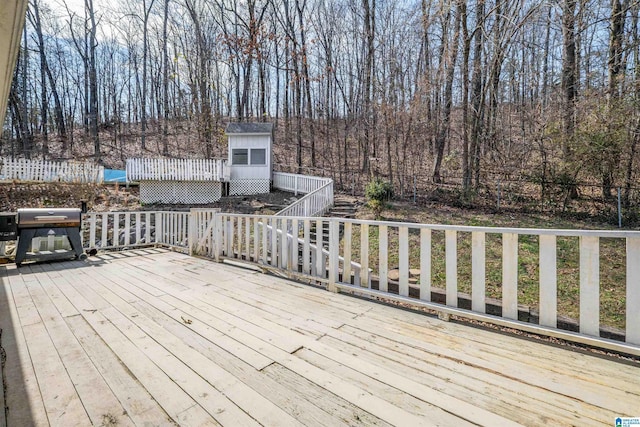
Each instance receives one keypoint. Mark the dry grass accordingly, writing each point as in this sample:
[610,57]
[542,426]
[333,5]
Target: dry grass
[612,256]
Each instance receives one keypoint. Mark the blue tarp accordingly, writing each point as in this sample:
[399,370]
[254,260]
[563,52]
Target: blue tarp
[113,175]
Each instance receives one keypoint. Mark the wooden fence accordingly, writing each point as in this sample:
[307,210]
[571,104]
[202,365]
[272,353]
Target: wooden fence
[50,171]
[413,248]
[318,192]
[420,265]
[298,183]
[127,230]
[177,170]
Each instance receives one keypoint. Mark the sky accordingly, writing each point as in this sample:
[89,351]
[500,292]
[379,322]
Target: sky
[74,5]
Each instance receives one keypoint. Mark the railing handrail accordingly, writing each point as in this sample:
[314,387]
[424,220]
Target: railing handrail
[309,196]
[473,228]
[324,185]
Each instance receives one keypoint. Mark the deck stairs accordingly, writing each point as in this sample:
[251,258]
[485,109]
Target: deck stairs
[344,206]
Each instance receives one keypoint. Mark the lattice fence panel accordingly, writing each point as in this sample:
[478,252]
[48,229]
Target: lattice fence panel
[247,187]
[180,192]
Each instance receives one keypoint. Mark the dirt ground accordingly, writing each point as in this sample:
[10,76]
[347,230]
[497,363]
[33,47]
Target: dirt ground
[101,198]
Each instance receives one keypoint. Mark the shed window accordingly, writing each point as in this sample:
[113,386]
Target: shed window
[258,156]
[239,156]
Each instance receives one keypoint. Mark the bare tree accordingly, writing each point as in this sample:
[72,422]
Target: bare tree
[165,80]
[448,65]
[569,78]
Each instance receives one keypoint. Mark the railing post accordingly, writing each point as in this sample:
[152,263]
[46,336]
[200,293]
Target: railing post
[217,239]
[548,281]
[633,291]
[451,267]
[92,230]
[159,227]
[365,279]
[191,233]
[334,247]
[478,272]
[383,258]
[510,276]
[590,285]
[425,264]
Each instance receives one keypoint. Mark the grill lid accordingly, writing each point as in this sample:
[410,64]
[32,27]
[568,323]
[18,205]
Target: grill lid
[48,217]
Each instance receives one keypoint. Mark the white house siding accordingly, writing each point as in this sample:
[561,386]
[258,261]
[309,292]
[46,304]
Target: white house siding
[250,172]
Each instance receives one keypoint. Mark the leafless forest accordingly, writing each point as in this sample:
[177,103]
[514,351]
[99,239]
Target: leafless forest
[535,102]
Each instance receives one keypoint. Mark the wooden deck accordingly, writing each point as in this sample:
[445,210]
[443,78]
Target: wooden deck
[151,337]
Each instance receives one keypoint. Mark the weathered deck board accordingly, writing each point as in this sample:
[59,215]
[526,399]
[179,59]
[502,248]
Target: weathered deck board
[96,396]
[152,337]
[490,345]
[259,297]
[23,399]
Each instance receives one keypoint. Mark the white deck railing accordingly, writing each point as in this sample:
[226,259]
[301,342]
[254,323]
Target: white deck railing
[298,183]
[411,247]
[122,230]
[50,171]
[319,194]
[177,170]
[360,262]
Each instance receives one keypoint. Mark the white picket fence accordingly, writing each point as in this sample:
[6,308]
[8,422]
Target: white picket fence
[318,192]
[50,171]
[177,170]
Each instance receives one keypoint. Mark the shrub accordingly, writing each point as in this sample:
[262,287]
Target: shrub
[377,193]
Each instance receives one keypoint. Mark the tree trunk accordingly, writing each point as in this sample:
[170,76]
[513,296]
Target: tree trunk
[477,96]
[635,38]
[145,51]
[44,107]
[307,81]
[27,137]
[612,153]
[441,137]
[466,51]
[367,115]
[165,82]
[545,63]
[569,73]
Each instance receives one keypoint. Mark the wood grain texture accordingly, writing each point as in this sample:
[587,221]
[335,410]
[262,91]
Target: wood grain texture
[451,267]
[425,264]
[590,285]
[478,272]
[548,282]
[155,337]
[633,291]
[510,275]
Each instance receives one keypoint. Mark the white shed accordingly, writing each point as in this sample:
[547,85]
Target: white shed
[250,157]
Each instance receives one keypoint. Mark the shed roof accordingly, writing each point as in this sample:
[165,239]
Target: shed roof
[254,128]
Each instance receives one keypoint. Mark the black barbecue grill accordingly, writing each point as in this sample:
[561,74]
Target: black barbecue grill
[8,227]
[48,222]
